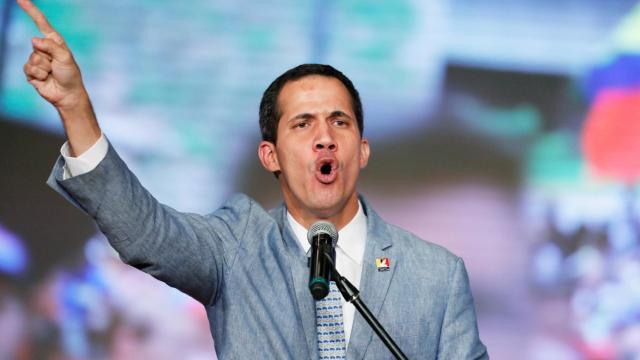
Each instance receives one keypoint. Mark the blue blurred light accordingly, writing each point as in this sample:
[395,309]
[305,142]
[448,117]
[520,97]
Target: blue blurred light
[621,73]
[13,255]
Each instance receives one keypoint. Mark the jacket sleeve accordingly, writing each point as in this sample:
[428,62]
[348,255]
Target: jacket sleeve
[186,251]
[459,338]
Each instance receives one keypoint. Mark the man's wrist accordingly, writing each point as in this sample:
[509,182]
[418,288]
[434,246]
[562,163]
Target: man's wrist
[80,125]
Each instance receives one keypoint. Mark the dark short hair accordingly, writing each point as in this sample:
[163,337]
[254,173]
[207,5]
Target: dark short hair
[269,112]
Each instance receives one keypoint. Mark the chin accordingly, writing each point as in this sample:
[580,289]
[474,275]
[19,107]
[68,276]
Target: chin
[325,209]
[327,205]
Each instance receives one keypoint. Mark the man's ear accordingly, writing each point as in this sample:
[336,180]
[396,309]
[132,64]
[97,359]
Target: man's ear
[364,153]
[268,156]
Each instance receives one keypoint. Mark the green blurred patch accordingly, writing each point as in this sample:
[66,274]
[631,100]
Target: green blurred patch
[554,158]
[519,121]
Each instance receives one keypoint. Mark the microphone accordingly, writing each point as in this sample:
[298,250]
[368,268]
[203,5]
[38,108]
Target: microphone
[323,237]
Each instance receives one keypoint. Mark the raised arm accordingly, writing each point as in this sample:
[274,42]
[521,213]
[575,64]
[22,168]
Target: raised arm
[54,73]
[186,251]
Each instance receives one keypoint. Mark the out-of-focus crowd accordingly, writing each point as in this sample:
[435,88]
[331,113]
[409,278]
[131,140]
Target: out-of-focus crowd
[94,310]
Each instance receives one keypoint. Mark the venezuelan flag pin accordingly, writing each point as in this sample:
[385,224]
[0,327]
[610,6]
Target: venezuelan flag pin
[382,264]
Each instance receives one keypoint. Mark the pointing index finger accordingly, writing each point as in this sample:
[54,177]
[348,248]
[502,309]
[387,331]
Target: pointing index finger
[37,16]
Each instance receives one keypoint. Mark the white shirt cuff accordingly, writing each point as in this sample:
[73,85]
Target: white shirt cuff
[86,161]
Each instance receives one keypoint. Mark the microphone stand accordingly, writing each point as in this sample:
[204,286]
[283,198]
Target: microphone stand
[352,295]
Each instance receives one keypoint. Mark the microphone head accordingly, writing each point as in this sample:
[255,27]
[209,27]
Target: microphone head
[323,227]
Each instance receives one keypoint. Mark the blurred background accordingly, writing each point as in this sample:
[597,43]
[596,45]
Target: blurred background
[507,131]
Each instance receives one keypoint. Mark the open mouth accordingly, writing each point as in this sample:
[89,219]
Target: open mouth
[326,170]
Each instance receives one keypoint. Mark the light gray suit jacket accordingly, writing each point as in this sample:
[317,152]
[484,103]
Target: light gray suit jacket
[245,266]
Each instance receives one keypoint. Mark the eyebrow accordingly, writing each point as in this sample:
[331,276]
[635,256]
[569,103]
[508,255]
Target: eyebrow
[302,116]
[307,116]
[339,113]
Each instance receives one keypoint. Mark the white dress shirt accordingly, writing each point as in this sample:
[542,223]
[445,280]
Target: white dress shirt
[85,162]
[351,238]
[349,254]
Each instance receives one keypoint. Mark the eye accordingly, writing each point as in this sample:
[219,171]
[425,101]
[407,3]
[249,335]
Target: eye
[340,122]
[301,125]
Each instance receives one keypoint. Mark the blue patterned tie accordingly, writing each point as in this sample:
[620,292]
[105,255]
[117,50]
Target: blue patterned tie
[330,327]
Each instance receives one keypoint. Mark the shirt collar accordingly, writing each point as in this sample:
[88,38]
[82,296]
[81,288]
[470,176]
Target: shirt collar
[351,238]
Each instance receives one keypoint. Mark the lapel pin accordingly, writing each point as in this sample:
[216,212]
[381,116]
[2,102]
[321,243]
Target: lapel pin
[382,264]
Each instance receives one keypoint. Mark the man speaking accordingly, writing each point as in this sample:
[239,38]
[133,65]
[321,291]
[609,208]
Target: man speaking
[249,267]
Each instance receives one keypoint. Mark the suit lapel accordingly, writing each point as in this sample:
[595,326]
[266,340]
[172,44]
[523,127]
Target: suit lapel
[299,274]
[374,284]
[306,305]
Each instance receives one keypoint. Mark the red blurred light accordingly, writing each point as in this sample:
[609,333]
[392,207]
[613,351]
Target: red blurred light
[611,135]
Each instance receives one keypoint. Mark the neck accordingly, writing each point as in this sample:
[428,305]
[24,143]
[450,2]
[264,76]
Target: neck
[340,218]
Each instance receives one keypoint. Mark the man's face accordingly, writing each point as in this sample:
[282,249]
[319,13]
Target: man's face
[319,151]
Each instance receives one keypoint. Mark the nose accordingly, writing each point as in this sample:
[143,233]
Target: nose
[324,139]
